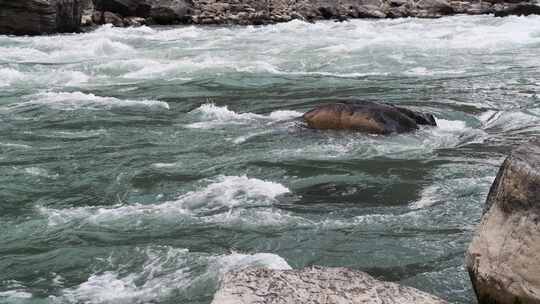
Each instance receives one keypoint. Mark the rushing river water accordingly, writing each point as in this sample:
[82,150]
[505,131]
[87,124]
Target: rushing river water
[139,164]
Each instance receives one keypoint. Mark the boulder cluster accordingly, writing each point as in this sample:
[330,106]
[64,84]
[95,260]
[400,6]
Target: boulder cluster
[30,17]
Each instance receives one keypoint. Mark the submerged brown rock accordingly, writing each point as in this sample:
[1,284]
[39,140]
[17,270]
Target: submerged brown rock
[367,117]
[503,259]
[315,285]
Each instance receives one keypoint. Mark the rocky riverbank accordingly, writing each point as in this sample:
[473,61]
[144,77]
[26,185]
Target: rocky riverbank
[247,12]
[34,17]
[30,17]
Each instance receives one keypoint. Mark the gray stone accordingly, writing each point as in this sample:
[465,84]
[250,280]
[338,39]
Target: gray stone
[139,8]
[112,18]
[171,11]
[434,8]
[518,9]
[503,260]
[315,285]
[34,17]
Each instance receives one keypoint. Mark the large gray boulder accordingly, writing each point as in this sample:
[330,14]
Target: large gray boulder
[503,259]
[315,285]
[34,17]
[367,117]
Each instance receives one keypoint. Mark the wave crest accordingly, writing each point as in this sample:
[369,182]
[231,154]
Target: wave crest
[77,100]
[213,116]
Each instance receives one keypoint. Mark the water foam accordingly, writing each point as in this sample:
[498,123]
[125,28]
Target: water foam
[15,294]
[39,172]
[14,145]
[453,182]
[42,78]
[215,116]
[9,76]
[184,52]
[78,100]
[164,272]
[237,261]
[161,274]
[510,122]
[217,202]
[336,144]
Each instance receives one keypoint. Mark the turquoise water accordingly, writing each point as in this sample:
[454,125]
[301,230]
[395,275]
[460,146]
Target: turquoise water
[138,165]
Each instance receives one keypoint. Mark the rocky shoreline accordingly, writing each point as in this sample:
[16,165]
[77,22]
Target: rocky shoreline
[34,17]
[252,12]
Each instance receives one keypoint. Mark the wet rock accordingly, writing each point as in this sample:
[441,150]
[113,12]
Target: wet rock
[314,285]
[34,17]
[519,9]
[87,20]
[367,117]
[97,17]
[480,8]
[171,11]
[112,18]
[139,8]
[397,12]
[502,259]
[87,7]
[434,8]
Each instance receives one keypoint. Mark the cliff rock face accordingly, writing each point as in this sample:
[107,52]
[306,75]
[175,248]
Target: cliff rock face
[34,17]
[503,259]
[316,285]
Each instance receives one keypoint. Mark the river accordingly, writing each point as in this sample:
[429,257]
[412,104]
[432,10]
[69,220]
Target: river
[139,164]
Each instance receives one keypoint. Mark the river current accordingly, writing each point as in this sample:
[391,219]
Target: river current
[137,165]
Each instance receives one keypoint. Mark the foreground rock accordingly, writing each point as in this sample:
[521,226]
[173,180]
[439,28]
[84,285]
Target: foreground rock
[314,285]
[138,8]
[367,117]
[503,259]
[34,17]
